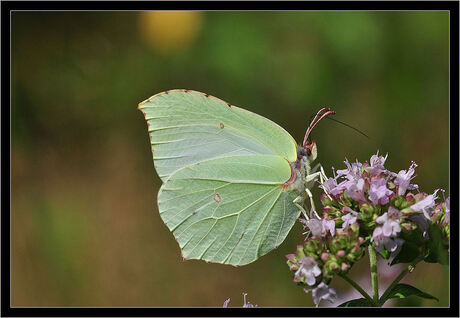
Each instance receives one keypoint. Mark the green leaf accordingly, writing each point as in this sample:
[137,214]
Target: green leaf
[407,254]
[385,254]
[404,290]
[359,302]
[414,236]
[436,251]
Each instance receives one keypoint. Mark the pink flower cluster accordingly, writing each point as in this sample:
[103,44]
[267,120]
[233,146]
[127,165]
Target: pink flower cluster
[368,204]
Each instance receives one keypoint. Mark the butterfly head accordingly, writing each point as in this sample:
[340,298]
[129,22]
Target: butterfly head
[311,151]
[308,152]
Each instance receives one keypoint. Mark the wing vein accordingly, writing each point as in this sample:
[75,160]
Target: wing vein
[255,233]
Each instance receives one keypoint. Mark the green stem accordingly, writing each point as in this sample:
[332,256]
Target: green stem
[358,288]
[374,274]
[401,275]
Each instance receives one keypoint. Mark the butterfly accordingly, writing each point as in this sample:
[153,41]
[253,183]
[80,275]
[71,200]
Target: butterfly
[234,182]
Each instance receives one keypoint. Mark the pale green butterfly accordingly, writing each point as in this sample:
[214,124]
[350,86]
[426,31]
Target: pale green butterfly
[234,182]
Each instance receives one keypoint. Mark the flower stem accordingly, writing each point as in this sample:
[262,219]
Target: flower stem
[358,288]
[401,275]
[374,274]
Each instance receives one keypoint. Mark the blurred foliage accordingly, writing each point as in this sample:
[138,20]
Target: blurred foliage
[85,227]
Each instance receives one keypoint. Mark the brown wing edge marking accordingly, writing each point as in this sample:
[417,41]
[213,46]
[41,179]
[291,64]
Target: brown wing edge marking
[291,178]
[181,90]
[139,106]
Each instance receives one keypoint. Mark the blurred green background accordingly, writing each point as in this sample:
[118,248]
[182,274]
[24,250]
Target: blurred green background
[85,226]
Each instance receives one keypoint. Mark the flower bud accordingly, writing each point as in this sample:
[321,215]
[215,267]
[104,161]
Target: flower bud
[328,209]
[345,200]
[344,267]
[333,266]
[311,246]
[366,212]
[406,226]
[324,256]
[398,203]
[354,229]
[410,198]
[419,196]
[325,201]
[406,203]
[341,253]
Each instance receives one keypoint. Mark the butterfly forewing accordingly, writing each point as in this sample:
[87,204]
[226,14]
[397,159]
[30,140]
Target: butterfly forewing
[188,127]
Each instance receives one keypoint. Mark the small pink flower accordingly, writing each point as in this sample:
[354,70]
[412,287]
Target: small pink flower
[391,223]
[378,192]
[328,226]
[377,164]
[332,188]
[316,227]
[353,171]
[383,242]
[308,269]
[320,228]
[322,292]
[377,160]
[447,217]
[403,179]
[350,217]
[426,205]
[247,304]
[355,190]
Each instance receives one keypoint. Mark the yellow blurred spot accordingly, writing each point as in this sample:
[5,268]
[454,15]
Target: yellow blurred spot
[166,31]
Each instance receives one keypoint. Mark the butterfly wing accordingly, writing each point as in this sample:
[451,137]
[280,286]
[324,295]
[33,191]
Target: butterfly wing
[229,210]
[187,127]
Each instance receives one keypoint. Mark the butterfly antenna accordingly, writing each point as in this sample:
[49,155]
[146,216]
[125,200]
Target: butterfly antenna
[322,113]
[345,124]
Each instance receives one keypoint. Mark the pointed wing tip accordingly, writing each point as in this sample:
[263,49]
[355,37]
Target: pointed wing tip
[183,90]
[139,106]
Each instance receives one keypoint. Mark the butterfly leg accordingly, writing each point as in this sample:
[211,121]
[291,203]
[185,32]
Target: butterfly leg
[311,177]
[313,209]
[321,174]
[298,202]
[318,165]
[323,178]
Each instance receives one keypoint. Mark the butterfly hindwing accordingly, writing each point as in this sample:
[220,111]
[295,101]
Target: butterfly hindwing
[229,210]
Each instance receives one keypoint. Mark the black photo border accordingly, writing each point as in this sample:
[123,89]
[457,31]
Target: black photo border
[8,6]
